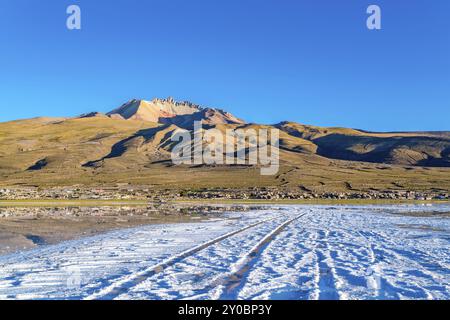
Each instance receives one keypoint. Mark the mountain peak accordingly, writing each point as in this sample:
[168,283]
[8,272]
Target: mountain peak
[169,111]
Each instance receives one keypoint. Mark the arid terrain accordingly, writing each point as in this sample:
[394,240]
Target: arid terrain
[130,148]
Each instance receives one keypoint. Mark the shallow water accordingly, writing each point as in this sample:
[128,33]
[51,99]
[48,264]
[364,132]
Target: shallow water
[23,228]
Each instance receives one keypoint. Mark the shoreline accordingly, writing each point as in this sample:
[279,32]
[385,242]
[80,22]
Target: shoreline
[26,225]
[56,203]
[25,228]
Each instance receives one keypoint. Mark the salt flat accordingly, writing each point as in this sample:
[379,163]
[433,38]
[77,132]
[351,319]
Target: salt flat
[288,252]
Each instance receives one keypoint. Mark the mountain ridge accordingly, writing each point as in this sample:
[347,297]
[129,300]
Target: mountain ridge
[102,148]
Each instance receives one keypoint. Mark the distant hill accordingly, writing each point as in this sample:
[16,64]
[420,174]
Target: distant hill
[131,144]
[427,149]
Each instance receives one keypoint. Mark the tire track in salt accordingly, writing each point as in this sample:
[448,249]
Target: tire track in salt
[233,282]
[384,256]
[124,285]
[328,282]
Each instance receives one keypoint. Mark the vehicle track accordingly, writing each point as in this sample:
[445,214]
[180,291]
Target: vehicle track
[233,282]
[124,285]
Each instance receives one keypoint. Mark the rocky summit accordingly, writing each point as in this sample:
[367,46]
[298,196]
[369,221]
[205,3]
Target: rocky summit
[169,111]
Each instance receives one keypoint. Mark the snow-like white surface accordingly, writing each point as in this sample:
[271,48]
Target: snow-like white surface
[293,252]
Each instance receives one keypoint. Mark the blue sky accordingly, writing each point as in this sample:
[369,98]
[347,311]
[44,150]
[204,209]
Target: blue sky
[312,61]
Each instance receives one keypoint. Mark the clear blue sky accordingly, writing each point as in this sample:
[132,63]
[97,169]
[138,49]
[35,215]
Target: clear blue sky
[312,61]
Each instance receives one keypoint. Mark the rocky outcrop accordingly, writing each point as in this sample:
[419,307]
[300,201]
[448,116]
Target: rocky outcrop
[169,111]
